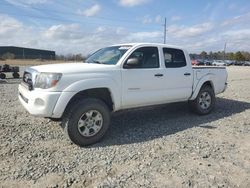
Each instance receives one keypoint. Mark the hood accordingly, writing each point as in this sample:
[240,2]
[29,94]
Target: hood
[72,67]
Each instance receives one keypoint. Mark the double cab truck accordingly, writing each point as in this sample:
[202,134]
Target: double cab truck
[83,95]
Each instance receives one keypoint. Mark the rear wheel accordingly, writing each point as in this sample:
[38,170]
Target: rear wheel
[87,121]
[204,102]
[2,76]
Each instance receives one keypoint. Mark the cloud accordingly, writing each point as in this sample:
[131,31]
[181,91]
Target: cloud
[237,40]
[35,1]
[245,18]
[77,38]
[68,38]
[26,2]
[191,31]
[147,19]
[175,18]
[132,3]
[120,31]
[100,29]
[144,36]
[15,33]
[158,19]
[9,26]
[64,32]
[240,35]
[92,11]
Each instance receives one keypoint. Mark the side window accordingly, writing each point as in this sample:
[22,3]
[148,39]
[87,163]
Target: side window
[174,58]
[147,56]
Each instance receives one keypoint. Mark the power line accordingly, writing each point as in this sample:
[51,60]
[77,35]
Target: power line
[84,33]
[74,21]
[77,15]
[81,21]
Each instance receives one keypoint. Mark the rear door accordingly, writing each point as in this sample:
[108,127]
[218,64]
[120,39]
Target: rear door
[143,84]
[178,75]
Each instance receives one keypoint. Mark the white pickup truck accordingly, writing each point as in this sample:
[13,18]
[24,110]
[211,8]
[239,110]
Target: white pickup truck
[117,77]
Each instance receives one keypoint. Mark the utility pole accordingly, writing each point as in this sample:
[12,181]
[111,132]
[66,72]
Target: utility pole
[165,30]
[224,54]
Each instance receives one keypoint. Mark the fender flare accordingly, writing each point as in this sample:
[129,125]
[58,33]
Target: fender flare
[206,78]
[81,85]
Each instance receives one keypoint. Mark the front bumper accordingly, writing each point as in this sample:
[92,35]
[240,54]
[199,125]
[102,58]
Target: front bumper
[38,103]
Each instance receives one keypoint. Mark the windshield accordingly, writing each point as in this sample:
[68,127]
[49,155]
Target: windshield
[109,55]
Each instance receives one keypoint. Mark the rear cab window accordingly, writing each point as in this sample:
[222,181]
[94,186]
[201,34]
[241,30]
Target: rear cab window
[174,58]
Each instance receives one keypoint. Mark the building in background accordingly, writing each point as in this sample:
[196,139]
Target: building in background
[26,53]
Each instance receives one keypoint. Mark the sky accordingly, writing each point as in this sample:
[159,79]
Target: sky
[83,26]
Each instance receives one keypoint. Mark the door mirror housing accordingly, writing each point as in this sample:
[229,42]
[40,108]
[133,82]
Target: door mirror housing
[131,63]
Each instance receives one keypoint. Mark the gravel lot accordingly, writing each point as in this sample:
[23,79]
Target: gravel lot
[164,146]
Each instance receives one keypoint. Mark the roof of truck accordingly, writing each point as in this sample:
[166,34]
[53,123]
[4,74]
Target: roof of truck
[148,44]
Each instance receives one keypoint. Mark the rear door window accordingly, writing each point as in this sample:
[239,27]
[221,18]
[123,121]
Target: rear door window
[174,58]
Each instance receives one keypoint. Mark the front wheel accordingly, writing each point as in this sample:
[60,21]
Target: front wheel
[204,102]
[87,121]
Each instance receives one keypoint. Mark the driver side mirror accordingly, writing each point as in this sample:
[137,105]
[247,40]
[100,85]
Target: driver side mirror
[131,63]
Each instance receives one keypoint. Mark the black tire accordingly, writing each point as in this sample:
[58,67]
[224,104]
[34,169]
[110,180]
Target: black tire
[16,75]
[2,75]
[55,119]
[201,107]
[75,113]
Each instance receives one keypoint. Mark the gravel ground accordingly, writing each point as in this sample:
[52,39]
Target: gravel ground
[164,146]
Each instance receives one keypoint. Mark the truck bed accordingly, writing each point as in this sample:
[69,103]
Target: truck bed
[216,74]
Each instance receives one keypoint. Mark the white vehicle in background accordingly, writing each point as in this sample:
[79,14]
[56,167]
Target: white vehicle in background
[247,63]
[219,63]
[83,95]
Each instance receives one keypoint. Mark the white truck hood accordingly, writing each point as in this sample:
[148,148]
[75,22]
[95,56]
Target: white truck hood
[72,67]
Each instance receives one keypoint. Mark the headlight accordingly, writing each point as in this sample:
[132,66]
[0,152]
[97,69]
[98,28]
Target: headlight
[47,80]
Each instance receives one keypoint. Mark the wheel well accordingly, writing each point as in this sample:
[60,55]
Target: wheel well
[208,83]
[99,93]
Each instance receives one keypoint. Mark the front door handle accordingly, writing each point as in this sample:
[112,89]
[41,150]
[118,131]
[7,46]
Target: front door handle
[158,75]
[187,74]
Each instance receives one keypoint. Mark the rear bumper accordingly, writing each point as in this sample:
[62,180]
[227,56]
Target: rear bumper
[38,103]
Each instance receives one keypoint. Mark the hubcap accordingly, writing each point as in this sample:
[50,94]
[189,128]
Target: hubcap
[205,100]
[90,123]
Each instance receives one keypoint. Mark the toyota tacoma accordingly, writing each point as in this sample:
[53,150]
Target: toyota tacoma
[83,95]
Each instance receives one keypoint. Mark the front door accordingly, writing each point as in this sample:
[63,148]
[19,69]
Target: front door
[143,83]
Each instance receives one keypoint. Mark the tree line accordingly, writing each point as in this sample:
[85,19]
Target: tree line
[68,57]
[71,57]
[220,55]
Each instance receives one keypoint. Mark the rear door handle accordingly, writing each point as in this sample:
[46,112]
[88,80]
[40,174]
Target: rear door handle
[187,74]
[158,75]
